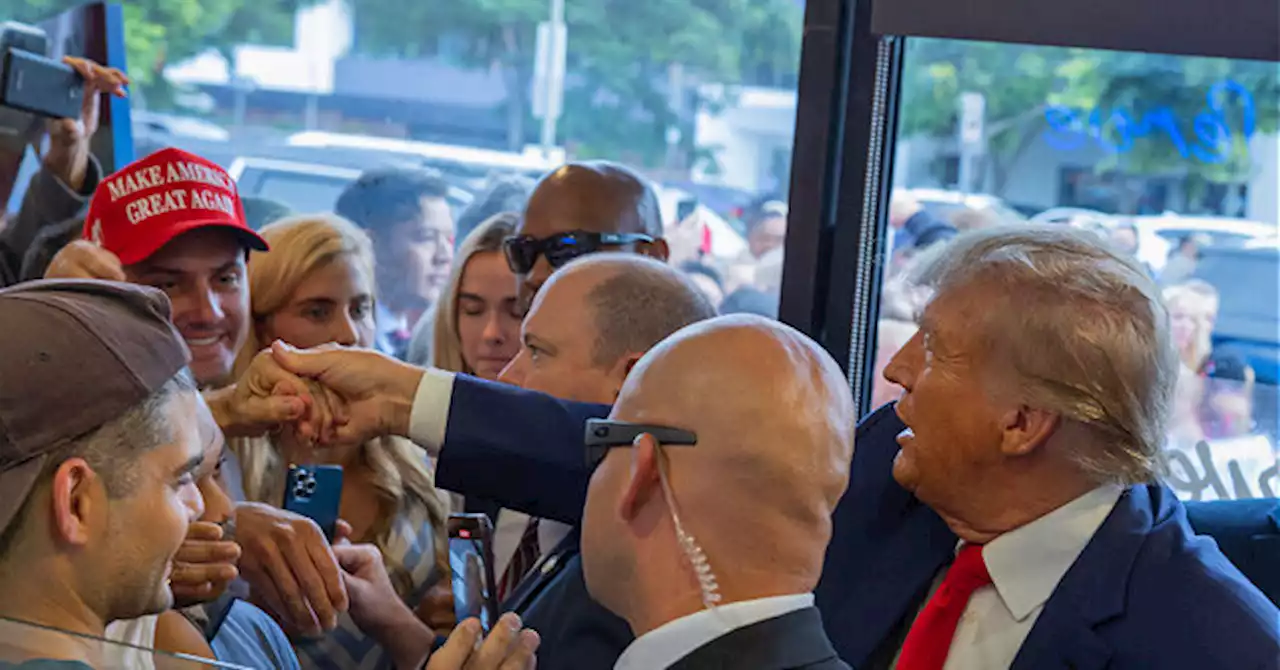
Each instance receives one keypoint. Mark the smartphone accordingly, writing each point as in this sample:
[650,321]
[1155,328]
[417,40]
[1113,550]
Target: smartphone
[39,85]
[471,564]
[685,208]
[315,491]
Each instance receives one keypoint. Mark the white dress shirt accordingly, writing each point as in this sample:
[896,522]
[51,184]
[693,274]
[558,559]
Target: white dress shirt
[661,647]
[428,422]
[429,416]
[1026,565]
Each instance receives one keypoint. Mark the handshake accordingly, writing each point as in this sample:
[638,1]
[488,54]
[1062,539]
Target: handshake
[324,398]
[328,396]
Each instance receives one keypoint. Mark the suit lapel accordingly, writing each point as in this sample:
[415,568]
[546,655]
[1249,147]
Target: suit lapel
[1093,590]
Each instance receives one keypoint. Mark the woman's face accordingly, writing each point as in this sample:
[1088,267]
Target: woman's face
[333,303]
[1191,321]
[488,317]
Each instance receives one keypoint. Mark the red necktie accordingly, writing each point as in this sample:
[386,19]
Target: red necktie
[522,561]
[929,641]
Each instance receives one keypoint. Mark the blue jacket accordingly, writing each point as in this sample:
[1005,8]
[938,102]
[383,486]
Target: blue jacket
[1146,592]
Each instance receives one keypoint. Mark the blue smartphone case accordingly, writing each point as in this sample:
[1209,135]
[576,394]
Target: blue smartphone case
[315,491]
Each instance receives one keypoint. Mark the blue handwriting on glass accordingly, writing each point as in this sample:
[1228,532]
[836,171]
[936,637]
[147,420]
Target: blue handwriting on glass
[1116,130]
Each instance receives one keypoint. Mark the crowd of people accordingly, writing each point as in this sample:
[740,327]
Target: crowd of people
[672,483]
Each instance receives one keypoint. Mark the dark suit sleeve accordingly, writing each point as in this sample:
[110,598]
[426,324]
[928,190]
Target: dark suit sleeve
[520,449]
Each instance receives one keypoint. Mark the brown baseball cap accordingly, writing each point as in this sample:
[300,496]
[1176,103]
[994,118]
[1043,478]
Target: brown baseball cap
[74,354]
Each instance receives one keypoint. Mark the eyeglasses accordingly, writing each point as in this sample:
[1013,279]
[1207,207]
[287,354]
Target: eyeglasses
[604,434]
[522,251]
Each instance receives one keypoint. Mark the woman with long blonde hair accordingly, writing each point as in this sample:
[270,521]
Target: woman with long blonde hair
[316,287]
[476,331]
[475,326]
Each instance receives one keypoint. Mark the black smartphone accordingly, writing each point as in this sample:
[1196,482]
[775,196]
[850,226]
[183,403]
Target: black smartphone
[685,208]
[43,86]
[315,491]
[471,564]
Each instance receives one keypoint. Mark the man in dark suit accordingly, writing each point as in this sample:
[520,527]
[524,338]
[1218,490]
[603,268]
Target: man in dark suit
[1136,588]
[575,349]
[708,517]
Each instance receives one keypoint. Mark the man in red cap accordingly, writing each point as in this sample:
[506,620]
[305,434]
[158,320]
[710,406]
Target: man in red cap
[173,220]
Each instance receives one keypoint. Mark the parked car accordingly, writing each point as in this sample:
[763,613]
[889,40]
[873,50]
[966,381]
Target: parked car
[308,187]
[1158,235]
[948,203]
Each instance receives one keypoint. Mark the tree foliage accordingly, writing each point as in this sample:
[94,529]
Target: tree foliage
[161,32]
[1152,114]
[617,100]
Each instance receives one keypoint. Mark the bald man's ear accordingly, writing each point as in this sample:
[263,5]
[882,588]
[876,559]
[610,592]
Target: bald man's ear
[657,249]
[621,369]
[644,482]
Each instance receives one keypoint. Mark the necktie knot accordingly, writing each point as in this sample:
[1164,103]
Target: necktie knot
[928,642]
[969,572]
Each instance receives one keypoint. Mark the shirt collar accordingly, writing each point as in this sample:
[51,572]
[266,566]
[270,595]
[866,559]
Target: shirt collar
[662,647]
[1027,563]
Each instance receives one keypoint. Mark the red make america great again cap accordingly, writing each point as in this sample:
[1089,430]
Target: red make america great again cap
[146,204]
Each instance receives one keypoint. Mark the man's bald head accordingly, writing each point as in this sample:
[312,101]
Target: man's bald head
[775,420]
[591,197]
[597,196]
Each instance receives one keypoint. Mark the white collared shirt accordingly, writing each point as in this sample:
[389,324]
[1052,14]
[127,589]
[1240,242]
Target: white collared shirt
[429,416]
[1026,565]
[661,647]
[428,422]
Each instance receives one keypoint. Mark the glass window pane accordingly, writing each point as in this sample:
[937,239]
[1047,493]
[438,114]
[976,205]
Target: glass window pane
[1174,159]
[300,103]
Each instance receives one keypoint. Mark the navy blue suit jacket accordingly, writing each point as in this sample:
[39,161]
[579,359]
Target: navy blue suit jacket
[1145,593]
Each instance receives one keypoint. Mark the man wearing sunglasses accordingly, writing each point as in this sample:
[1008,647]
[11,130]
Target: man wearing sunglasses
[579,209]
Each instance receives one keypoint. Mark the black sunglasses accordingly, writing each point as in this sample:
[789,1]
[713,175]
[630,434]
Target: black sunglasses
[522,251]
[604,434]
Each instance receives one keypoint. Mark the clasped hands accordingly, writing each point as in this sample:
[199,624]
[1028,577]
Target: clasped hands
[327,396]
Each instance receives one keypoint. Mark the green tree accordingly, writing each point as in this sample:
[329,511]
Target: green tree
[620,58]
[1137,105]
[162,32]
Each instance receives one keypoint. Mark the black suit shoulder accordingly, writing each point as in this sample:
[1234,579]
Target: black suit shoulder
[794,641]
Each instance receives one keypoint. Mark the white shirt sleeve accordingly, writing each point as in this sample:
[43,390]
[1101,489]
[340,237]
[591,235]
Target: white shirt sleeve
[429,417]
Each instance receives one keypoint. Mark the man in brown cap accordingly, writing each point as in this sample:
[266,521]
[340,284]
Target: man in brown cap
[99,443]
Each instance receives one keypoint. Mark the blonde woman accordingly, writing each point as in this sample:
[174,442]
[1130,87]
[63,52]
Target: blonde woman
[476,331]
[316,287]
[475,328]
[1193,310]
